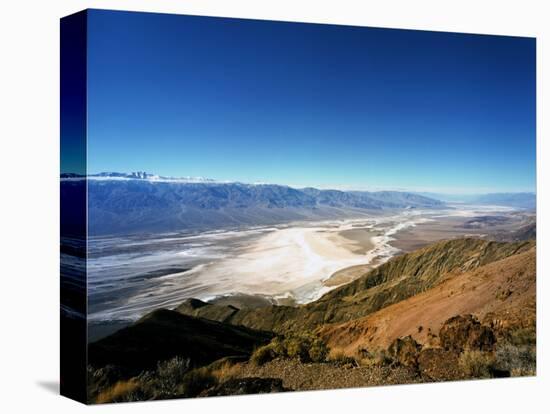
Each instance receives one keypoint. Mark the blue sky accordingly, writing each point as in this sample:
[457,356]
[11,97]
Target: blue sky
[310,105]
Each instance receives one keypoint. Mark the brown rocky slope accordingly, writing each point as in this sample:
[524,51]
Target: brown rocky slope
[501,294]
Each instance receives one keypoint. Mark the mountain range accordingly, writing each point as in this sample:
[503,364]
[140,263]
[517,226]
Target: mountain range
[138,202]
[120,203]
[522,200]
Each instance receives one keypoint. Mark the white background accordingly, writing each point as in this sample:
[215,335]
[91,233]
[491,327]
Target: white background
[29,167]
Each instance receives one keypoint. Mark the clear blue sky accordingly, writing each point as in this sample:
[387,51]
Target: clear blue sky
[303,104]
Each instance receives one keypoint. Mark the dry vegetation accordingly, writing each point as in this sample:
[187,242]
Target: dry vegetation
[475,323]
[306,347]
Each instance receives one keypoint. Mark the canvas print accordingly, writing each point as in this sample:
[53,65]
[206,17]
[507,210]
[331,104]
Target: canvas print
[256,206]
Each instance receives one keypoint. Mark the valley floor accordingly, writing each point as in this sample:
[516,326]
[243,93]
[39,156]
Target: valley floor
[288,265]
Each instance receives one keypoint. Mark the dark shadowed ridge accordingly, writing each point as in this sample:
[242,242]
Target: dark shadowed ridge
[164,334]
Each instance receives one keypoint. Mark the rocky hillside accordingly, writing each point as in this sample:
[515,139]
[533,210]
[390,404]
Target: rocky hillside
[454,310]
[500,293]
[394,281]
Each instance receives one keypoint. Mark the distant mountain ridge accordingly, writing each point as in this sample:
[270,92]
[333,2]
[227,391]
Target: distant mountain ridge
[121,203]
[135,175]
[523,200]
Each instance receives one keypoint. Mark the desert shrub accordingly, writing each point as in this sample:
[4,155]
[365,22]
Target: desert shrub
[339,356]
[523,336]
[522,372]
[378,357]
[263,355]
[517,360]
[298,347]
[225,371]
[476,364]
[172,378]
[196,381]
[306,347]
[102,379]
[318,350]
[169,375]
[278,345]
[122,391]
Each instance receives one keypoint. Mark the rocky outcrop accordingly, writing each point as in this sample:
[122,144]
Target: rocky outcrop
[459,333]
[466,332]
[405,351]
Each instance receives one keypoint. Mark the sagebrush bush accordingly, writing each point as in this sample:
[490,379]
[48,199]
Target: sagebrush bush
[298,347]
[263,355]
[172,378]
[170,374]
[379,357]
[102,379]
[278,346]
[523,336]
[477,364]
[225,371]
[122,391]
[305,347]
[517,360]
[339,356]
[196,381]
[318,350]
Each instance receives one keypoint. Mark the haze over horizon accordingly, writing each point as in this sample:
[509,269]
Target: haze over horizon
[311,105]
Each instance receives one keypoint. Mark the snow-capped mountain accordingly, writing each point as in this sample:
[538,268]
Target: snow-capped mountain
[136,175]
